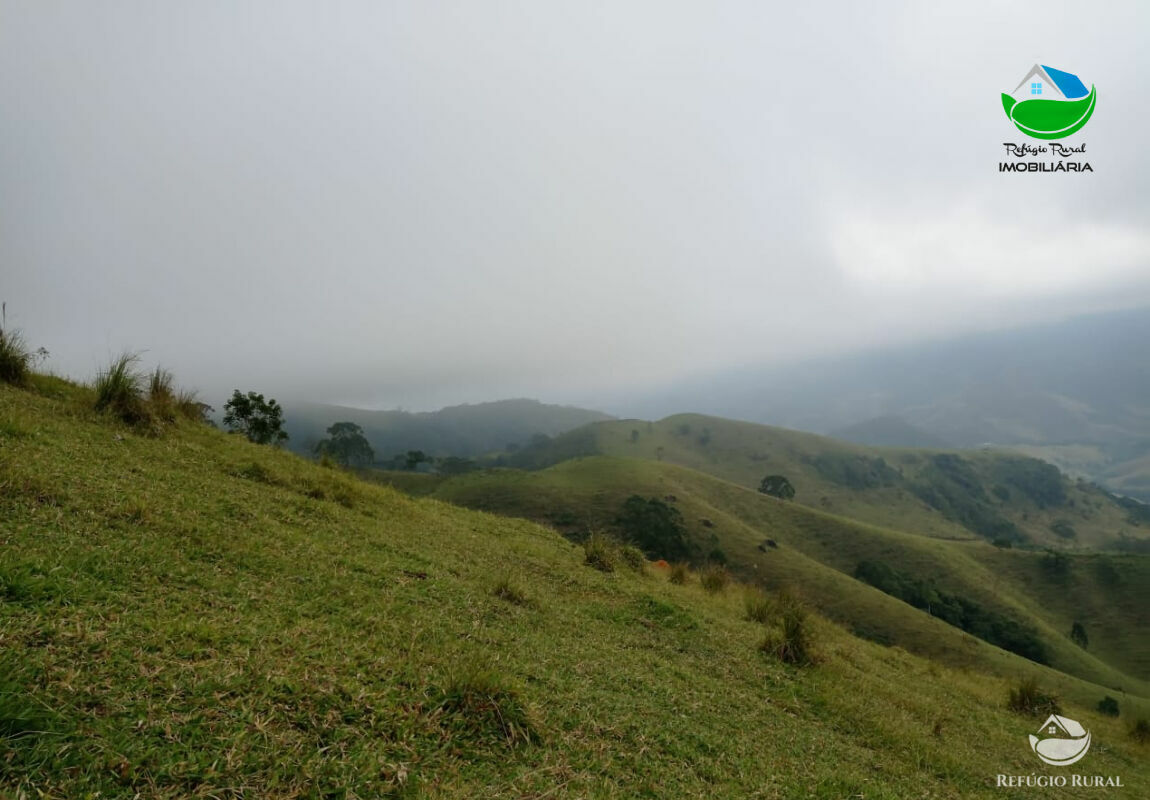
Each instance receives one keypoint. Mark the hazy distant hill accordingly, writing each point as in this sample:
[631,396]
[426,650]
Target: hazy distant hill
[889,432]
[465,430]
[1084,381]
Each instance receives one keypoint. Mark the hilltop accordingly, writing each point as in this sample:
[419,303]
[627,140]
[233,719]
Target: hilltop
[952,494]
[185,613]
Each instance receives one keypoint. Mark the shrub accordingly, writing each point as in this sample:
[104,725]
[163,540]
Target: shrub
[1030,698]
[714,578]
[599,552]
[188,405]
[633,558]
[119,392]
[790,642]
[509,589]
[15,358]
[1108,706]
[758,606]
[679,573]
[1140,731]
[777,486]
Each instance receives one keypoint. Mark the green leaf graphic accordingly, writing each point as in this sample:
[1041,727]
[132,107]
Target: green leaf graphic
[1050,119]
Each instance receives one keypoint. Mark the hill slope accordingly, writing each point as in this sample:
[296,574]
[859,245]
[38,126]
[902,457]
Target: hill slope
[818,553]
[190,614]
[945,494]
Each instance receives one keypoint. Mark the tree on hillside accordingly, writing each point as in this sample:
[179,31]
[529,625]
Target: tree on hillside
[259,420]
[777,486]
[346,444]
[414,458]
[655,526]
[1078,635]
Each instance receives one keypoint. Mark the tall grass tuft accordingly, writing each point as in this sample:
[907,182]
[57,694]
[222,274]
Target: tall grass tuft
[599,552]
[758,606]
[15,358]
[790,642]
[714,578]
[188,405]
[509,589]
[1029,698]
[680,573]
[119,390]
[162,395]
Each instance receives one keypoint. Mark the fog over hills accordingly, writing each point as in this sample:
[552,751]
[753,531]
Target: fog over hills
[1076,392]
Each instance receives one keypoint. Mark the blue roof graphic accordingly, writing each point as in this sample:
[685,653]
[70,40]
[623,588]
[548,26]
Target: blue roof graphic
[1067,83]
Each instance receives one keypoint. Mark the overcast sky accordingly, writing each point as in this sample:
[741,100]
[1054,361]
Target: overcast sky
[426,203]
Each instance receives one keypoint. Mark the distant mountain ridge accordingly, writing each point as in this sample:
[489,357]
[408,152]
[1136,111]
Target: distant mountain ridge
[1082,381]
[463,430]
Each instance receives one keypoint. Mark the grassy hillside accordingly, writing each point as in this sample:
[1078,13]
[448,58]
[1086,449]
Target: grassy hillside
[187,614]
[820,552]
[944,494]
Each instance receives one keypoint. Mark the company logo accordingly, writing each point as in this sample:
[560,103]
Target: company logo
[1049,103]
[1061,741]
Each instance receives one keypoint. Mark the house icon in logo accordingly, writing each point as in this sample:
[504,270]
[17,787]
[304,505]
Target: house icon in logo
[1061,741]
[1048,83]
[1049,103]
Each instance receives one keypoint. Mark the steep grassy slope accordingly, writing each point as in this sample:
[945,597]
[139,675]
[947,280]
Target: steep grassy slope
[820,551]
[958,495]
[191,615]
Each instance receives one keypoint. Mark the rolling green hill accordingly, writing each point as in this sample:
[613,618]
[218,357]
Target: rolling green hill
[819,553]
[183,613]
[945,494]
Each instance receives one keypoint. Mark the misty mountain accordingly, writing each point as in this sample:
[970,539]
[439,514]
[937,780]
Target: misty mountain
[1082,382]
[463,430]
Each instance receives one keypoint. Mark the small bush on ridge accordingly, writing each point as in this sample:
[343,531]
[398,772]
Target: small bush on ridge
[1029,698]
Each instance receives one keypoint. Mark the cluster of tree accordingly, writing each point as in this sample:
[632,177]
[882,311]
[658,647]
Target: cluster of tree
[855,471]
[777,486]
[1038,480]
[951,486]
[986,624]
[412,460]
[346,445]
[655,527]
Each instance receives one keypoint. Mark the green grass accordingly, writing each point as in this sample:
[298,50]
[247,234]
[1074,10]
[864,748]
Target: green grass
[819,552]
[195,615]
[988,495]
